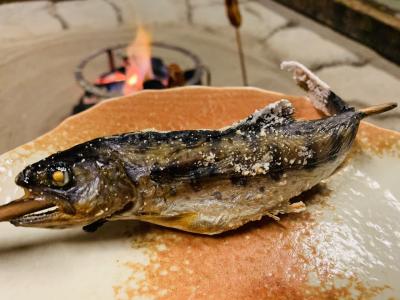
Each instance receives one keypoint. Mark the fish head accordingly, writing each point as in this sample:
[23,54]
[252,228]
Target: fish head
[82,186]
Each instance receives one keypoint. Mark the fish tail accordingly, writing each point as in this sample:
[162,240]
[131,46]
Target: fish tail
[322,96]
[377,109]
[319,92]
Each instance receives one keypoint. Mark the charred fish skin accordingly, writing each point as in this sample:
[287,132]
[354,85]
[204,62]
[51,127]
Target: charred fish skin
[203,181]
[198,192]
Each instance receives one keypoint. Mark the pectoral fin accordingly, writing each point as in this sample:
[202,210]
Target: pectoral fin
[136,173]
[94,226]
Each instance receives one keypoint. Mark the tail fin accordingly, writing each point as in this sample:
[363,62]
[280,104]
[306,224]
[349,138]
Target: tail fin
[318,91]
[321,95]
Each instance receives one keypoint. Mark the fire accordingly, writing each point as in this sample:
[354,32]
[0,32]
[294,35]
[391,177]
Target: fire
[133,80]
[139,62]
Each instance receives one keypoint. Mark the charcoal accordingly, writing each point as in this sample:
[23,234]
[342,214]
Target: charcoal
[153,84]
[159,68]
[188,74]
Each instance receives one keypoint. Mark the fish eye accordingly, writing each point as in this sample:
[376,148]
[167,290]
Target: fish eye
[60,177]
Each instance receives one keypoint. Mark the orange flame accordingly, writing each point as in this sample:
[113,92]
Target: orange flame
[139,62]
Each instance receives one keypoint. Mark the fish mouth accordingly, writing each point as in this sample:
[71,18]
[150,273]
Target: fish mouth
[39,209]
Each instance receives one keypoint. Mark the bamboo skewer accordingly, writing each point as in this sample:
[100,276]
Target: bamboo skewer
[377,109]
[19,208]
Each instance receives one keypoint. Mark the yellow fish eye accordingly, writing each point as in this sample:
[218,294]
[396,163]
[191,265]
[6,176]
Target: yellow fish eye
[60,178]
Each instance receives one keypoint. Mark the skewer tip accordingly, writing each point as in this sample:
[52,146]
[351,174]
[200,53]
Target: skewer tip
[377,109]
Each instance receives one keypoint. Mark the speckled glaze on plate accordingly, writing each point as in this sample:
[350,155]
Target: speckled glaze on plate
[346,245]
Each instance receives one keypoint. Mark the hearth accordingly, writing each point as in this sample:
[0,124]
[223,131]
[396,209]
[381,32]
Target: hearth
[129,73]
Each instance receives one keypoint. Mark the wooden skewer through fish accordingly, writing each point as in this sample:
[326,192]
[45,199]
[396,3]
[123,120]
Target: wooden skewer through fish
[377,109]
[25,206]
[203,181]
[22,207]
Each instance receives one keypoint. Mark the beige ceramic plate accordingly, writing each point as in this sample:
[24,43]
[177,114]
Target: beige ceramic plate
[346,244]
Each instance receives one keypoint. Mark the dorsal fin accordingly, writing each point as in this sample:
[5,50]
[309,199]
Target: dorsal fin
[274,114]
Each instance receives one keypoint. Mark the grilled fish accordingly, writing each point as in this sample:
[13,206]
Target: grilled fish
[202,181]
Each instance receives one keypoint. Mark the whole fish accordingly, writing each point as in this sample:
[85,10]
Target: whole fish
[203,181]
